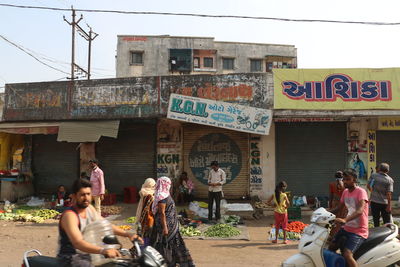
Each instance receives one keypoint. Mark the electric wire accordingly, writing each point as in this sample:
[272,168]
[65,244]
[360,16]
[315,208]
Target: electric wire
[375,23]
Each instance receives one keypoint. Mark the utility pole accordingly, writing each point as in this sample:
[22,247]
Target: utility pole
[87,36]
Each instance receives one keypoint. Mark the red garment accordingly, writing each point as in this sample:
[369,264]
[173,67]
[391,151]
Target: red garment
[281,220]
[333,189]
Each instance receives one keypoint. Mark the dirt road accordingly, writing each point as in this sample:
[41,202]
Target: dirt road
[15,238]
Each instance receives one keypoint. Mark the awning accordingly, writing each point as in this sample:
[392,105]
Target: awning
[29,127]
[74,131]
[78,131]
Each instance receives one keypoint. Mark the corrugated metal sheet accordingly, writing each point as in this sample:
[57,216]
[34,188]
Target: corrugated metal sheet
[388,150]
[53,163]
[308,154]
[87,131]
[240,185]
[129,159]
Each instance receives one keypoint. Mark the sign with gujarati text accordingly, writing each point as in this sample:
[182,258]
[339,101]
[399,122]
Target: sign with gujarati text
[256,172]
[215,147]
[389,123]
[371,146]
[219,114]
[336,89]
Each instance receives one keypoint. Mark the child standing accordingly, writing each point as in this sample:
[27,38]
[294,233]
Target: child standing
[281,203]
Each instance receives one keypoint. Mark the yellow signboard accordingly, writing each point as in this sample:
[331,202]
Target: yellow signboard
[371,144]
[337,89]
[390,123]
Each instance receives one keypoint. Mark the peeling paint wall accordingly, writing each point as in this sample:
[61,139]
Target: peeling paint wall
[142,97]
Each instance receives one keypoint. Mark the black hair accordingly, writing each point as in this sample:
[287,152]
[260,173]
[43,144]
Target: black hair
[339,174]
[214,163]
[279,190]
[350,172]
[95,161]
[79,184]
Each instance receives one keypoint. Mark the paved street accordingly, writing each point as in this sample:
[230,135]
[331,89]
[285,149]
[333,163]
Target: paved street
[15,238]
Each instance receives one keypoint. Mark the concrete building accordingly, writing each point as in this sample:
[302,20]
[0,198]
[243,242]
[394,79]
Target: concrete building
[170,55]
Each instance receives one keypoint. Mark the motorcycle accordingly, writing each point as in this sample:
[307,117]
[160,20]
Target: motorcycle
[148,257]
[382,248]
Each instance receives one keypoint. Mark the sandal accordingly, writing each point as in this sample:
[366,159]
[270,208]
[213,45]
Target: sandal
[274,241]
[286,242]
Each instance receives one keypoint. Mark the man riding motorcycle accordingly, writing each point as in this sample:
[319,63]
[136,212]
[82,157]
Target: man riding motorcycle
[71,225]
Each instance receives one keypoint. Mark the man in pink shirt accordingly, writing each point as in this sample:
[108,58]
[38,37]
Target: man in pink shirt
[97,181]
[355,229]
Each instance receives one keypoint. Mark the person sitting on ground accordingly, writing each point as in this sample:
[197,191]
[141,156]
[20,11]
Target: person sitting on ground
[186,189]
[355,230]
[62,197]
[73,222]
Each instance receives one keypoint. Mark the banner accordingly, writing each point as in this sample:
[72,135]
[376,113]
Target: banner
[219,114]
[371,144]
[336,89]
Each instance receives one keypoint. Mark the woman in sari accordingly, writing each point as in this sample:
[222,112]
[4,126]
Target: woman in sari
[166,236]
[144,214]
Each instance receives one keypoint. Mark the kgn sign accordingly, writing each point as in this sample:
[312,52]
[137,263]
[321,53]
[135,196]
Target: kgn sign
[219,114]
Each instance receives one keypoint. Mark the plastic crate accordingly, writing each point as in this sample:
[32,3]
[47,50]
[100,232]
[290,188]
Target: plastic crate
[109,199]
[294,213]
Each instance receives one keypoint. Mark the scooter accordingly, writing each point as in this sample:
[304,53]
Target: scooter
[382,248]
[148,257]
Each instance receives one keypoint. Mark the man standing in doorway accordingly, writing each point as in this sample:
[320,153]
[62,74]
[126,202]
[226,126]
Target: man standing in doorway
[216,178]
[97,181]
[381,195]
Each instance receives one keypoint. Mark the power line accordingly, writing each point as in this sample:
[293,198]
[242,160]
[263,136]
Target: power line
[30,54]
[204,15]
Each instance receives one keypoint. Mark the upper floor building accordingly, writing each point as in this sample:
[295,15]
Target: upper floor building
[169,55]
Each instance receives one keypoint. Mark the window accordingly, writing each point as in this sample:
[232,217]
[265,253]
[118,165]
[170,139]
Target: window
[137,57]
[208,62]
[255,65]
[228,63]
[196,62]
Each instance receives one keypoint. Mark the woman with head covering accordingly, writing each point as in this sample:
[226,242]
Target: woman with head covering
[144,214]
[166,236]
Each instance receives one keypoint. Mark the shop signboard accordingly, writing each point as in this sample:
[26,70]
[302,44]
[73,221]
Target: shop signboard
[336,89]
[219,114]
[389,123]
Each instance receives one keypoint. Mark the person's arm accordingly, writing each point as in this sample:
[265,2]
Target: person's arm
[337,208]
[102,185]
[209,178]
[161,210]
[287,204]
[389,197]
[269,200]
[69,223]
[223,178]
[359,211]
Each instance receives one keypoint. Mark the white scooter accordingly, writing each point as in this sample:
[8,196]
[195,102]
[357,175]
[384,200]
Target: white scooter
[382,248]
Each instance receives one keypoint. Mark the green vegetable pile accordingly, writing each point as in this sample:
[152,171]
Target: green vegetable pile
[231,219]
[189,231]
[131,219]
[46,214]
[222,230]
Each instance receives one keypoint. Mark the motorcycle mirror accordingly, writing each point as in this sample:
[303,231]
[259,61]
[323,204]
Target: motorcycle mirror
[110,240]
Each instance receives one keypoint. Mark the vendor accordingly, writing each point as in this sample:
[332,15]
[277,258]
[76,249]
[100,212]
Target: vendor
[185,189]
[62,197]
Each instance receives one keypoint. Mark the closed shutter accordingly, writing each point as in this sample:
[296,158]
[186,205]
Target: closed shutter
[308,154]
[130,158]
[388,150]
[54,163]
[227,156]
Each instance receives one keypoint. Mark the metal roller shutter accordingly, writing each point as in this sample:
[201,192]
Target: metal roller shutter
[129,159]
[308,154]
[53,163]
[239,186]
[388,150]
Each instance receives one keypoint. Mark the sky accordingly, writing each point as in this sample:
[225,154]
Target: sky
[319,45]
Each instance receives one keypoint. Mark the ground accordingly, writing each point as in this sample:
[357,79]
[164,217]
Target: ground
[16,238]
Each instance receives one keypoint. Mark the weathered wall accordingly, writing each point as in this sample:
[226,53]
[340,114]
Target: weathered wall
[156,53]
[141,97]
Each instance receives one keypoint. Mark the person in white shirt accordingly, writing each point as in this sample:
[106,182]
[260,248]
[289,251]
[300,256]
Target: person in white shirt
[216,178]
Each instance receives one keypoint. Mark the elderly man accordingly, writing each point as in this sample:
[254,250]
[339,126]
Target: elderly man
[381,195]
